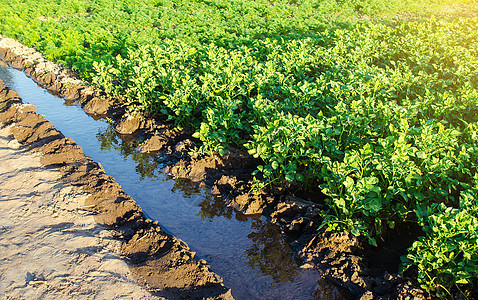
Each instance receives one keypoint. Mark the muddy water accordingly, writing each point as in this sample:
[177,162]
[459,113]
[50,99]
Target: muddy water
[249,253]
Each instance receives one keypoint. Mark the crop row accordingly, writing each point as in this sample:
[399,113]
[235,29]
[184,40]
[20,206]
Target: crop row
[383,119]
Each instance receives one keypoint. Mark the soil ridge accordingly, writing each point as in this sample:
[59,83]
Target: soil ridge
[158,260]
[340,257]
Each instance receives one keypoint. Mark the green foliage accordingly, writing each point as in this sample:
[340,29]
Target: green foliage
[290,146]
[448,255]
[383,128]
[383,119]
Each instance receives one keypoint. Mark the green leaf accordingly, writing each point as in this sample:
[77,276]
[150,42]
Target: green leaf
[349,182]
[355,232]
[420,155]
[391,224]
[372,241]
[289,177]
[375,205]
[275,165]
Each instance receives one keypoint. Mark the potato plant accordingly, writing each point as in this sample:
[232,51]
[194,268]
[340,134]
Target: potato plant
[380,115]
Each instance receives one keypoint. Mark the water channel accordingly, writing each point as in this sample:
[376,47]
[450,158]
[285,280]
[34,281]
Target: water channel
[249,253]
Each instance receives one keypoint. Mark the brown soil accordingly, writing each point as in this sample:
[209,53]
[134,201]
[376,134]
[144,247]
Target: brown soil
[51,247]
[341,258]
[65,193]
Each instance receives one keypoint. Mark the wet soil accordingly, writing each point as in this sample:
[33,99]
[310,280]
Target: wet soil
[50,246]
[248,252]
[161,262]
[340,258]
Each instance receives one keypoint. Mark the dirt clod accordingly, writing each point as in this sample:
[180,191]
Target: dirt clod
[129,124]
[154,144]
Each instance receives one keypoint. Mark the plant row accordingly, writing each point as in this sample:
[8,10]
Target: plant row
[381,118]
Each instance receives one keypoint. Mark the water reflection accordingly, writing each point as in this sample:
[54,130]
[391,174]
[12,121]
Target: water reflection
[269,253]
[147,165]
[214,206]
[248,253]
[5,74]
[327,290]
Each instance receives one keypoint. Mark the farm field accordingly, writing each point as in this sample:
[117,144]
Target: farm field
[371,106]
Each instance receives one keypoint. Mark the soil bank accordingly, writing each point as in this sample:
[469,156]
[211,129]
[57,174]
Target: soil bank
[68,229]
[340,257]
